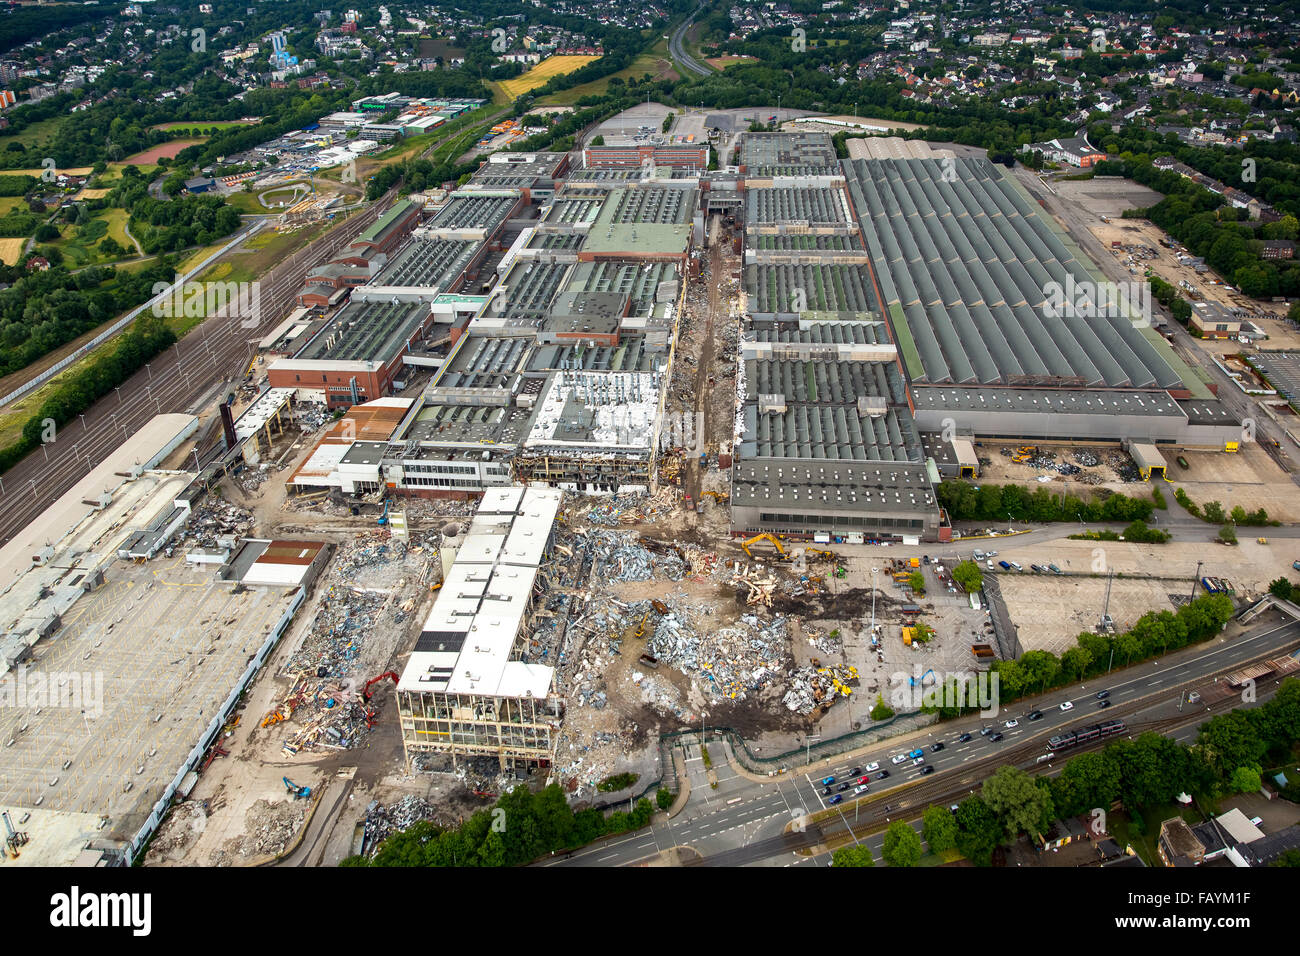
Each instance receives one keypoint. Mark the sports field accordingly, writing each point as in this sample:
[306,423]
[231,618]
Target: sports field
[538,75]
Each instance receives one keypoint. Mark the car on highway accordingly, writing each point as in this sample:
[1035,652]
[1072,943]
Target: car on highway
[882,775]
[1103,703]
[842,787]
[827,781]
[1011,723]
[936,746]
[1103,694]
[916,752]
[1035,715]
[863,779]
[860,788]
[995,737]
[918,761]
[985,731]
[855,772]
[872,767]
[826,791]
[927,769]
[838,798]
[1067,705]
[964,738]
[898,758]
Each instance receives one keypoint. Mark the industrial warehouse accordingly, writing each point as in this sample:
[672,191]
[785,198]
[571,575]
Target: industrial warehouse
[535,501]
[888,300]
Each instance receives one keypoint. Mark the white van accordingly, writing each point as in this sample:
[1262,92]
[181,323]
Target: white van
[1016,566]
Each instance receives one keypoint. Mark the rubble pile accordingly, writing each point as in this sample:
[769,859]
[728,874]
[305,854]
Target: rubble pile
[214,523]
[812,687]
[384,820]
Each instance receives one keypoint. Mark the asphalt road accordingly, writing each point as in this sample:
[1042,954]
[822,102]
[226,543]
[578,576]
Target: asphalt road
[744,822]
[192,375]
[677,50]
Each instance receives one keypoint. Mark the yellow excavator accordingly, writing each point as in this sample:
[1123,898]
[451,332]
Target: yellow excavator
[717,496]
[820,554]
[781,552]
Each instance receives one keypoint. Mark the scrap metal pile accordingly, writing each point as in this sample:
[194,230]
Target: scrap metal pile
[213,520]
[812,687]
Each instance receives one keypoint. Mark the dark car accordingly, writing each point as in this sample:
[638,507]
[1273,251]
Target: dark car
[838,798]
[995,737]
[928,768]
[842,787]
[964,738]
[1035,715]
[1103,694]
[985,731]
[1103,703]
[936,747]
[882,775]
[826,791]
[855,772]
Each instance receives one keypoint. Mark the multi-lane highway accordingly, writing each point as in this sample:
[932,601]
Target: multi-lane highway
[191,375]
[677,48]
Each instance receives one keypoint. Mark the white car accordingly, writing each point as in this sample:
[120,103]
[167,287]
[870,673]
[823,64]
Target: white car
[898,758]
[918,761]
[1011,723]
[1067,706]
[871,768]
[860,788]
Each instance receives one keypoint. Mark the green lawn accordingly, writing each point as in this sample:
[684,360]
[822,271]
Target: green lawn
[200,127]
[35,133]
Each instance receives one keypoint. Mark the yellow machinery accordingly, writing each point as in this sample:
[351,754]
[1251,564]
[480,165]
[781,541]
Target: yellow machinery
[819,553]
[274,717]
[764,537]
[718,496]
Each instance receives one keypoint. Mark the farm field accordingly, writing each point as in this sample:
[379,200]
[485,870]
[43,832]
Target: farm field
[10,250]
[538,75]
[153,154]
[656,62]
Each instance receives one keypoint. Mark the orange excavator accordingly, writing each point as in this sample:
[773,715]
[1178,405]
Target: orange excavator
[389,675]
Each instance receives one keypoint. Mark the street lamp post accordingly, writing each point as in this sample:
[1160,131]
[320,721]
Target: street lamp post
[1196,577]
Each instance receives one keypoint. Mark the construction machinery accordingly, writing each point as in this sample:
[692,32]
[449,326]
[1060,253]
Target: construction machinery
[911,681]
[718,496]
[297,791]
[781,552]
[820,554]
[383,518]
[282,712]
[386,675]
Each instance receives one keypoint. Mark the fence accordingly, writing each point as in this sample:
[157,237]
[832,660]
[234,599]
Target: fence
[214,728]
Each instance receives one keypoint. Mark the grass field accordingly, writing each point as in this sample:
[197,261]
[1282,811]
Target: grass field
[201,127]
[538,75]
[10,250]
[80,244]
[656,62]
[8,203]
[35,133]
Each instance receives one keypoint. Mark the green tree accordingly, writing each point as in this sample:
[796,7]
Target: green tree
[1244,780]
[1086,782]
[979,832]
[917,581]
[1232,740]
[1280,587]
[1017,800]
[939,829]
[969,576]
[1227,535]
[852,856]
[902,846]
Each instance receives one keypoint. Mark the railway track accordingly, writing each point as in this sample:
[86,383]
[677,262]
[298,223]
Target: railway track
[182,379]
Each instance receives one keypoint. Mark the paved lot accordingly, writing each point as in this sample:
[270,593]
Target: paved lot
[164,644]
